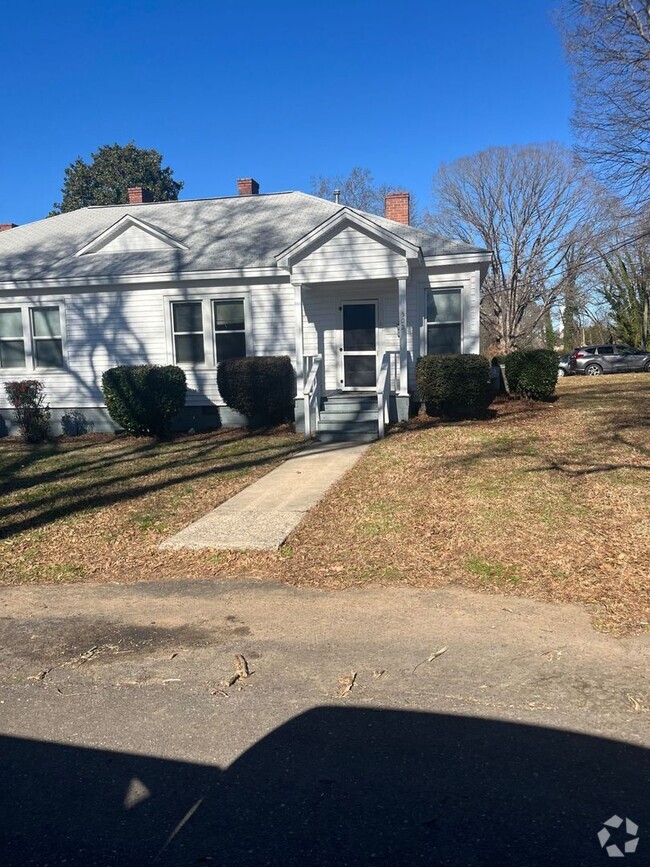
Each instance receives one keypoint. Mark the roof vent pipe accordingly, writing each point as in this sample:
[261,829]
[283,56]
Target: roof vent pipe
[337,197]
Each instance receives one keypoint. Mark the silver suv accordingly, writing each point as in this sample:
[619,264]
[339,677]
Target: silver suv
[608,358]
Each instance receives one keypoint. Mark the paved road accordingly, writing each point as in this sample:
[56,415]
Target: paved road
[122,746]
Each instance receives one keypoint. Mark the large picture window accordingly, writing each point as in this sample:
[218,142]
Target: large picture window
[46,334]
[444,321]
[229,329]
[187,324]
[12,339]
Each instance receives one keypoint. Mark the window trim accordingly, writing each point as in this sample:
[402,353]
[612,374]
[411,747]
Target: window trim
[209,332]
[444,288]
[174,333]
[35,339]
[19,308]
[214,332]
[29,339]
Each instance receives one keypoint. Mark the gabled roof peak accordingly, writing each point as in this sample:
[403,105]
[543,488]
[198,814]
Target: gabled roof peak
[131,235]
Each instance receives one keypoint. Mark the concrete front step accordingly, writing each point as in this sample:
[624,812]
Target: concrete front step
[345,415]
[344,400]
[340,437]
[331,424]
[348,418]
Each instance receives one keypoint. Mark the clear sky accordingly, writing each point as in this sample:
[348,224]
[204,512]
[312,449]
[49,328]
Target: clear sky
[278,90]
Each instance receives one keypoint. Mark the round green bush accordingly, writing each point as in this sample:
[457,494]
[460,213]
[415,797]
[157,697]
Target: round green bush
[532,373]
[262,388]
[144,398]
[455,386]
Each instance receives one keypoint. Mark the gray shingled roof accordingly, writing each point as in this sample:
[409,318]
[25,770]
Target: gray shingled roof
[220,234]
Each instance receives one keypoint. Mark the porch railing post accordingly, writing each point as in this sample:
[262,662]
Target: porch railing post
[300,362]
[403,353]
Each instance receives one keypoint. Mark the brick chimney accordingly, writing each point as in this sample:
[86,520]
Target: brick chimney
[397,206]
[4,227]
[247,187]
[138,195]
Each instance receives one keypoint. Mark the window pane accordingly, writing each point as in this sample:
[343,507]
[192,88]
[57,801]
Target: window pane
[12,353]
[188,316]
[605,350]
[229,315]
[46,322]
[230,345]
[359,327]
[443,306]
[443,339]
[49,353]
[189,349]
[11,323]
[360,371]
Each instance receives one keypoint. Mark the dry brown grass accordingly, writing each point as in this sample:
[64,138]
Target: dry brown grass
[544,500]
[97,507]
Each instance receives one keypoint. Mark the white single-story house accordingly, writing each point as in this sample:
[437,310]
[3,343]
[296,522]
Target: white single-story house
[354,299]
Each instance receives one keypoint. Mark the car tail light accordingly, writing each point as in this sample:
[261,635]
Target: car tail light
[579,354]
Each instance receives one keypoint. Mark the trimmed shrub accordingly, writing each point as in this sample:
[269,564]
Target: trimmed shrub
[454,386]
[144,398]
[262,388]
[27,396]
[532,373]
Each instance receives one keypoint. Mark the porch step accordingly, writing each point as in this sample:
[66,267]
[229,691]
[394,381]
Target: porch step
[331,437]
[336,424]
[348,417]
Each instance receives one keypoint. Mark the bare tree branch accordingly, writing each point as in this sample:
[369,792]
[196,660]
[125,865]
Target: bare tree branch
[537,211]
[608,45]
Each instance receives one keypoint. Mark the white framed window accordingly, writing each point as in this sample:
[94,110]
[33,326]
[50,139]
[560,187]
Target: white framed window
[32,336]
[229,328]
[187,329]
[47,336]
[12,338]
[202,331]
[444,321]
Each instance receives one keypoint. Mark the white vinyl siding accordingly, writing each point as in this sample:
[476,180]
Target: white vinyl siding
[350,255]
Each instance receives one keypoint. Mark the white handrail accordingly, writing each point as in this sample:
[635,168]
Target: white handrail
[311,392]
[383,394]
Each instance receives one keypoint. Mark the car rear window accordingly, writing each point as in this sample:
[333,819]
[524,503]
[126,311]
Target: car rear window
[605,350]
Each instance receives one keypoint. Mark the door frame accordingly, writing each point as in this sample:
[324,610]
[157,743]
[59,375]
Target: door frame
[340,367]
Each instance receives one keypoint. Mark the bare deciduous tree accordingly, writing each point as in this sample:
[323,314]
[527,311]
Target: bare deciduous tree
[534,208]
[608,46]
[358,190]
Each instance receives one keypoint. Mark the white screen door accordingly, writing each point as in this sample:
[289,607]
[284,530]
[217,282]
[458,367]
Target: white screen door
[359,345]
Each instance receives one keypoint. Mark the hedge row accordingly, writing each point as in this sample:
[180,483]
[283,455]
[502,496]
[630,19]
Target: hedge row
[262,388]
[532,373]
[454,386]
[144,398]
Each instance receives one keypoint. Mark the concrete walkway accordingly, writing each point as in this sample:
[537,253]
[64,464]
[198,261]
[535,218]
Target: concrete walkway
[262,515]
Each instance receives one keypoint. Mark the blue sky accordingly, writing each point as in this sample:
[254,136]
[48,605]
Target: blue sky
[277,90]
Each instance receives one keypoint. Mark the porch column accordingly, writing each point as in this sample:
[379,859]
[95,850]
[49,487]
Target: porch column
[300,364]
[403,354]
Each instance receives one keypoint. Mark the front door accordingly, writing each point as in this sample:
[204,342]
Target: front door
[358,348]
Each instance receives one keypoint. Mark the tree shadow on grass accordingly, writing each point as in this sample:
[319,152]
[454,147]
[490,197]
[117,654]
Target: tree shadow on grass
[130,481]
[335,785]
